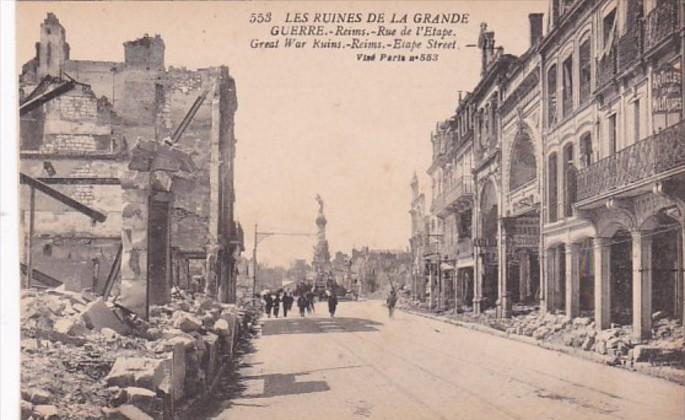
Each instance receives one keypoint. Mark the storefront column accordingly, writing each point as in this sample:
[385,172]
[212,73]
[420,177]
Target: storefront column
[552,279]
[572,280]
[642,285]
[478,281]
[458,290]
[602,269]
[503,301]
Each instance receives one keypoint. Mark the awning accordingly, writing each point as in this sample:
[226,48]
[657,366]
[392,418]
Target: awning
[446,267]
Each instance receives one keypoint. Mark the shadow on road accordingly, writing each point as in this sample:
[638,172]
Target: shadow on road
[317,325]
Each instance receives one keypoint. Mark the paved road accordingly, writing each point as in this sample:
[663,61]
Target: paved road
[363,365]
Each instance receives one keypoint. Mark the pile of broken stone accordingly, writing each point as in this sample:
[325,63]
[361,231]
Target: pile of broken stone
[86,358]
[617,343]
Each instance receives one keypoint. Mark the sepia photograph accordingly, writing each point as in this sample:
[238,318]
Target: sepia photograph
[411,210]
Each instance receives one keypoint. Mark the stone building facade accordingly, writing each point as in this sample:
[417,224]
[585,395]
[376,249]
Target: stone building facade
[578,166]
[119,116]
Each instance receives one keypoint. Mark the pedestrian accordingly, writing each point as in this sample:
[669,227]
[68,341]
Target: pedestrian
[310,302]
[301,304]
[391,301]
[277,304]
[268,304]
[332,303]
[287,303]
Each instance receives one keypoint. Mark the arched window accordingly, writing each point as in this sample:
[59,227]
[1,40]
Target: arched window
[523,166]
[586,149]
[552,95]
[569,180]
[552,192]
[585,65]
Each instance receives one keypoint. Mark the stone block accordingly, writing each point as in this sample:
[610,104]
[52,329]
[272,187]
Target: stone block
[26,409]
[136,371]
[222,328]
[146,400]
[45,412]
[645,353]
[212,357]
[125,412]
[39,396]
[70,326]
[588,343]
[175,376]
[98,315]
[186,322]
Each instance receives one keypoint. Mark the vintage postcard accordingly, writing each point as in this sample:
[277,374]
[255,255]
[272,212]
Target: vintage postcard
[347,209]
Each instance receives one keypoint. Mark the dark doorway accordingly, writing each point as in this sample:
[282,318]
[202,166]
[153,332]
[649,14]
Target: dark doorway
[587,276]
[666,292]
[159,252]
[622,278]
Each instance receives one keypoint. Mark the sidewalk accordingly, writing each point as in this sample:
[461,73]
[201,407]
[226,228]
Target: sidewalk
[669,373]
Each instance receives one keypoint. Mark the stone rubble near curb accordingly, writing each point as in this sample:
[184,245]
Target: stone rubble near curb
[82,360]
[579,338]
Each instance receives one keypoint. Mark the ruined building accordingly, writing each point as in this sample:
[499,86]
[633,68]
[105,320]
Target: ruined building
[151,147]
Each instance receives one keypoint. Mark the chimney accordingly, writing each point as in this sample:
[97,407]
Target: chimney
[535,20]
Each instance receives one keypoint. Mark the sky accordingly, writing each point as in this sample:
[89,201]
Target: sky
[308,121]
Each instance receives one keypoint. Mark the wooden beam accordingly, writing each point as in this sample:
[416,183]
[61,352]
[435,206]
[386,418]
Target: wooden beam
[113,273]
[80,181]
[39,100]
[65,199]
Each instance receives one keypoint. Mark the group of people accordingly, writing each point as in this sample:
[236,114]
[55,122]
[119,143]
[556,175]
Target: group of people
[305,302]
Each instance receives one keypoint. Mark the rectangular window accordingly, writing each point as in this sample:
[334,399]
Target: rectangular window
[552,188]
[608,28]
[585,71]
[552,96]
[636,120]
[612,134]
[567,92]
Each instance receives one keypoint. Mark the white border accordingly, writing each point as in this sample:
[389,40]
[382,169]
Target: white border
[9,212]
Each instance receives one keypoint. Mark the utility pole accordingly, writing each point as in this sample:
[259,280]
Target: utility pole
[254,265]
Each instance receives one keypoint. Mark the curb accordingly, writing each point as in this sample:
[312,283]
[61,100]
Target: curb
[670,375]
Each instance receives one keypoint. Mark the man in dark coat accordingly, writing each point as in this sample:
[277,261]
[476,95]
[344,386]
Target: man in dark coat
[310,301]
[268,304]
[332,303]
[301,304]
[287,303]
[277,304]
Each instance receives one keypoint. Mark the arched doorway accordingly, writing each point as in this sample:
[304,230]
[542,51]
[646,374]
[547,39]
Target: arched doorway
[489,215]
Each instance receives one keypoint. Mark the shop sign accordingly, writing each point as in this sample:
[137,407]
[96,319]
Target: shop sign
[667,90]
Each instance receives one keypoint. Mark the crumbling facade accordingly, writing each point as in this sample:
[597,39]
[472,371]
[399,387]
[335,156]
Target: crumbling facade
[152,147]
[577,168]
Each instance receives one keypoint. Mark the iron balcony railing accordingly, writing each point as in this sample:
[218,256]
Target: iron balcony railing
[661,22]
[629,47]
[454,192]
[643,160]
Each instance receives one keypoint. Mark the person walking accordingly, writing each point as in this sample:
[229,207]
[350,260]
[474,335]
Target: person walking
[310,302]
[332,303]
[287,303]
[391,302]
[268,304]
[277,304]
[301,304]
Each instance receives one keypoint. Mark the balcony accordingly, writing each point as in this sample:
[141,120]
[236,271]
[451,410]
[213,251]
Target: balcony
[660,23]
[453,196]
[639,163]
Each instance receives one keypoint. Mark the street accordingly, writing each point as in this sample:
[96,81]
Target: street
[363,365]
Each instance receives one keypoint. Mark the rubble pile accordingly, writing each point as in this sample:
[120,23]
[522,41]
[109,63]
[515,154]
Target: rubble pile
[616,344]
[84,358]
